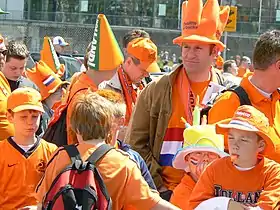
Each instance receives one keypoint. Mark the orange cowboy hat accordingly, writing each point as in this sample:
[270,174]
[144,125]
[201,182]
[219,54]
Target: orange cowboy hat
[203,24]
[45,79]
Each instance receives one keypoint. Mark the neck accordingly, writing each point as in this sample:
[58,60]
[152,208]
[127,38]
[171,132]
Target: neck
[23,140]
[246,163]
[199,76]
[98,76]
[49,102]
[262,81]
[96,142]
[194,177]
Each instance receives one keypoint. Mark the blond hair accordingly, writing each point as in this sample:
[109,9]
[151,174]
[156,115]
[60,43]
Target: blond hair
[116,99]
[92,117]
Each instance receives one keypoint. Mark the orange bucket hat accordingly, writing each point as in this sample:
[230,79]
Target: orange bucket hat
[220,62]
[45,79]
[146,51]
[203,24]
[248,118]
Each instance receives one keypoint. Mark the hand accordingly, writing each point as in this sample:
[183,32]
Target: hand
[233,205]
[162,189]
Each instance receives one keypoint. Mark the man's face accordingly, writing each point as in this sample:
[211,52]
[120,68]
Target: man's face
[59,49]
[234,69]
[197,162]
[246,64]
[136,72]
[244,146]
[26,122]
[3,52]
[197,57]
[13,68]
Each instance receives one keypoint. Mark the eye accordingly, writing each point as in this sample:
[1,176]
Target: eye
[23,117]
[186,46]
[198,48]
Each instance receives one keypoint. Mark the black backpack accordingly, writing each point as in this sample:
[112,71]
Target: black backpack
[79,185]
[56,132]
[239,91]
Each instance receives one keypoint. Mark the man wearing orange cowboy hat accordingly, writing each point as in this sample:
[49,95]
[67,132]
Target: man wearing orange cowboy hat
[6,128]
[155,129]
[50,86]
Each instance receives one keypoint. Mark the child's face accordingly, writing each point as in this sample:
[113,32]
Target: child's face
[26,122]
[197,162]
[244,146]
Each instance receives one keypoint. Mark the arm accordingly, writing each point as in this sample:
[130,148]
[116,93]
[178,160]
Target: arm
[269,197]
[138,132]
[204,188]
[224,107]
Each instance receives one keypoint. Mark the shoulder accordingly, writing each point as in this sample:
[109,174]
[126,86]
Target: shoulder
[48,146]
[271,167]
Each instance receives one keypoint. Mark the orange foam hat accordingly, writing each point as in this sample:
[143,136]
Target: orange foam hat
[45,79]
[49,56]
[105,53]
[203,24]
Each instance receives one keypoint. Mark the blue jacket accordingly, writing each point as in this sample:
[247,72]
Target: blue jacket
[140,162]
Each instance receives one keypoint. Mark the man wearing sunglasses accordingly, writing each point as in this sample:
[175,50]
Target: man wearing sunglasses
[6,129]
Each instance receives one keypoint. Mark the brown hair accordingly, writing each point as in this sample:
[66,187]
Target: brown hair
[267,50]
[227,65]
[134,34]
[17,50]
[92,116]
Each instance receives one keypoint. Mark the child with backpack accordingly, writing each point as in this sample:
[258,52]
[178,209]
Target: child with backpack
[95,173]
[201,147]
[246,179]
[24,156]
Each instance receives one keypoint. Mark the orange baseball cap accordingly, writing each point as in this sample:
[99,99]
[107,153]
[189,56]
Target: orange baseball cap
[248,118]
[44,78]
[25,99]
[203,24]
[146,51]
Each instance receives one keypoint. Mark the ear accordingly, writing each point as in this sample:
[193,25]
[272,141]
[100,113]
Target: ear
[261,146]
[10,117]
[215,51]
[278,65]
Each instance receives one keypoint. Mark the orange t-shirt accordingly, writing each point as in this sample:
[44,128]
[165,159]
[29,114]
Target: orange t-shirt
[199,89]
[82,85]
[228,103]
[121,175]
[6,128]
[182,193]
[242,72]
[21,171]
[259,186]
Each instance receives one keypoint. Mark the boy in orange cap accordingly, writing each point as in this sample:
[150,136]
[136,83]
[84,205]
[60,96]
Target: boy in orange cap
[156,131]
[201,147]
[246,179]
[51,88]
[24,156]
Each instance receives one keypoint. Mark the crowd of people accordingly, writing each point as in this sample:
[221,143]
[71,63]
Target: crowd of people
[204,135]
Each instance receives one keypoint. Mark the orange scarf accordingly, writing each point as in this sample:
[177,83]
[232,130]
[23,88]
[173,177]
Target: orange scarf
[130,94]
[186,94]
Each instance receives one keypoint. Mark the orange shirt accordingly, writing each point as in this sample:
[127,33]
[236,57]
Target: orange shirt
[121,175]
[6,128]
[182,193]
[259,185]
[228,103]
[21,171]
[199,89]
[242,72]
[82,85]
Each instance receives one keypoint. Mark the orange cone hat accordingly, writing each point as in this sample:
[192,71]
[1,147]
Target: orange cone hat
[44,78]
[49,57]
[203,24]
[105,52]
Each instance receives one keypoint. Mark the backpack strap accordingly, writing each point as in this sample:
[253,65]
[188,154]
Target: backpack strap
[99,153]
[242,95]
[73,152]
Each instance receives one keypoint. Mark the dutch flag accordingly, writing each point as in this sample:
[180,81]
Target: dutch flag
[48,80]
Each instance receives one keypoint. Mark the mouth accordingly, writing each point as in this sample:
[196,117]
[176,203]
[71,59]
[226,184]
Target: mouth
[234,157]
